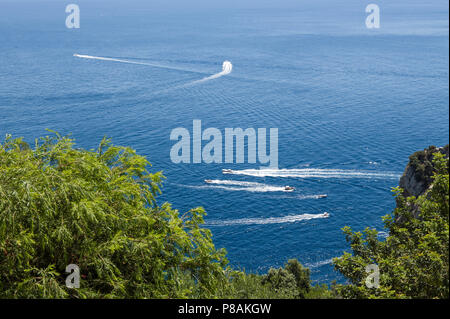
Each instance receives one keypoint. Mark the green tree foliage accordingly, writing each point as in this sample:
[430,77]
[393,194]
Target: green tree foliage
[293,279]
[414,259]
[60,205]
[290,282]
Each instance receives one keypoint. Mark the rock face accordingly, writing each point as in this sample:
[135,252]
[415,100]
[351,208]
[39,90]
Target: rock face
[410,185]
[417,178]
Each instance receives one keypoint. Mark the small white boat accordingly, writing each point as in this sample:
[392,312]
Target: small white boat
[289,188]
[326,214]
[208,181]
[322,196]
[227,171]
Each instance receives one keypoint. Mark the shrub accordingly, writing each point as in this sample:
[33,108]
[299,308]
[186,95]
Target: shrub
[60,205]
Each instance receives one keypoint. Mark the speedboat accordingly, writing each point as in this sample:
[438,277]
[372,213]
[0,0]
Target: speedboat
[322,196]
[326,214]
[208,181]
[289,188]
[227,171]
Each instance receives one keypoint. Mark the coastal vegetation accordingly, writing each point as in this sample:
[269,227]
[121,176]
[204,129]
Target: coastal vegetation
[422,163]
[413,261]
[99,209]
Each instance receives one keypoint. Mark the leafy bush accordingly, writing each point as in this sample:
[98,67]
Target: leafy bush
[290,282]
[97,209]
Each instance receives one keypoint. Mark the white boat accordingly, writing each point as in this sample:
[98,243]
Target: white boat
[208,181]
[322,196]
[326,214]
[227,171]
[289,188]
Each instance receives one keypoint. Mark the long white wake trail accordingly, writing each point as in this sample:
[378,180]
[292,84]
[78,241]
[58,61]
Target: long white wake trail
[265,221]
[315,173]
[231,185]
[161,66]
[235,183]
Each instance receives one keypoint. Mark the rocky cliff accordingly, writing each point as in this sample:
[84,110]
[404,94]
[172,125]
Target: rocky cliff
[418,174]
[417,177]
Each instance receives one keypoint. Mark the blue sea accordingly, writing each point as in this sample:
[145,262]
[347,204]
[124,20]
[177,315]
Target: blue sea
[350,104]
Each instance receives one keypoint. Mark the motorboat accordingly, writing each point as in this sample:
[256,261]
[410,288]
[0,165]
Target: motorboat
[227,171]
[289,188]
[208,181]
[322,196]
[326,214]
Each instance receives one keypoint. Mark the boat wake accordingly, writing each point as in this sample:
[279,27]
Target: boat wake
[319,263]
[235,183]
[258,189]
[314,173]
[265,221]
[227,68]
[241,186]
[155,65]
[312,196]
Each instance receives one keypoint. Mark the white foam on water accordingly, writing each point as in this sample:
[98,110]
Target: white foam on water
[315,173]
[227,68]
[237,183]
[265,221]
[383,234]
[257,189]
[232,185]
[320,263]
[156,65]
[319,196]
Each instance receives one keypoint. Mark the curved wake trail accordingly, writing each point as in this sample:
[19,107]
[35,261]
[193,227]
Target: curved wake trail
[227,68]
[315,173]
[265,221]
